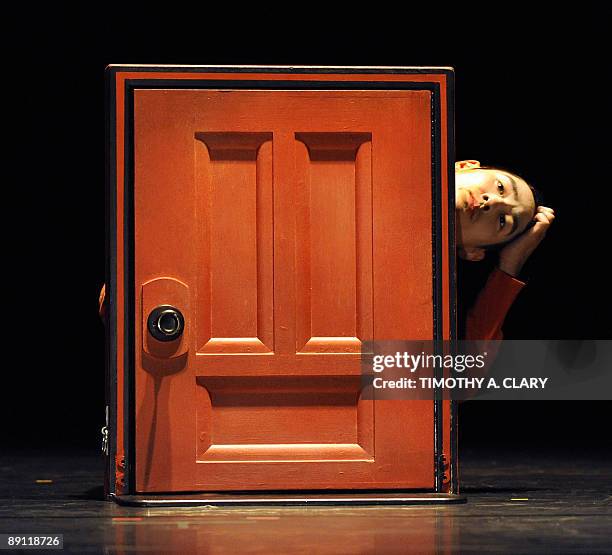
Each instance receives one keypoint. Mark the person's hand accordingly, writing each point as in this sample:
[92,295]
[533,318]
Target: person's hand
[514,255]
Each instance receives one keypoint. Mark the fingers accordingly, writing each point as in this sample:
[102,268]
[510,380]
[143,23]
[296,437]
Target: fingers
[548,212]
[543,217]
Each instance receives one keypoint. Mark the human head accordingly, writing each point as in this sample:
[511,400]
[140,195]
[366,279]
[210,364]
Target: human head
[493,207]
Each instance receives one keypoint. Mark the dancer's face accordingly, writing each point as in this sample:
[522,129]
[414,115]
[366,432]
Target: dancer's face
[492,206]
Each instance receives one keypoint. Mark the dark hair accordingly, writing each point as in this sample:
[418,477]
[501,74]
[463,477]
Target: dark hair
[537,197]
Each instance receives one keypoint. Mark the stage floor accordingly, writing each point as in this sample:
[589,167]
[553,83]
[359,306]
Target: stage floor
[520,501]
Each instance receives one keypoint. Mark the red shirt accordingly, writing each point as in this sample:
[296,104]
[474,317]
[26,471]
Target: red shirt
[486,316]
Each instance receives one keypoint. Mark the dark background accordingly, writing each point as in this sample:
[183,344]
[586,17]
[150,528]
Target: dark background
[531,95]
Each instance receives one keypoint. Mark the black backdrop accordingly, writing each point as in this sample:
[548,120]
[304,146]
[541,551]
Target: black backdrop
[531,95]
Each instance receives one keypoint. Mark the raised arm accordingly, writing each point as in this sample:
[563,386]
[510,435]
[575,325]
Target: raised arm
[486,317]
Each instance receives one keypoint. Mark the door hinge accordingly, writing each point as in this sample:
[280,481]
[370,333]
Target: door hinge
[445,469]
[104,432]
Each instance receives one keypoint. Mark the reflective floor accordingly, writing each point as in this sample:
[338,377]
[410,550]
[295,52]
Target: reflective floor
[518,502]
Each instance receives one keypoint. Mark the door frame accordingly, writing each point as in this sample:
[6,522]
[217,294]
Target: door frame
[121,81]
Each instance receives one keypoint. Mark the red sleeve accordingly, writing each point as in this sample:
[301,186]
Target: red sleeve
[102,302]
[486,317]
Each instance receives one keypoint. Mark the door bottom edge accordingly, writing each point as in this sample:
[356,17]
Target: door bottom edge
[288,499]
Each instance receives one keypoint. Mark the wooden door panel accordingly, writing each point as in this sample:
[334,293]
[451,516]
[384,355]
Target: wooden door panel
[333,241]
[280,418]
[300,224]
[234,209]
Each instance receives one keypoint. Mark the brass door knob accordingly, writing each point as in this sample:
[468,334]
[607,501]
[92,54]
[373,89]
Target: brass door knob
[165,323]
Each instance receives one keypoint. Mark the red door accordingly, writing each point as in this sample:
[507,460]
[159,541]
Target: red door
[287,227]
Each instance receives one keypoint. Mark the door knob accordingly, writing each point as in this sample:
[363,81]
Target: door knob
[165,323]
